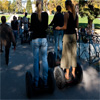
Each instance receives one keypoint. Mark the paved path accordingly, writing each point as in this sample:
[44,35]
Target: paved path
[12,78]
[11,18]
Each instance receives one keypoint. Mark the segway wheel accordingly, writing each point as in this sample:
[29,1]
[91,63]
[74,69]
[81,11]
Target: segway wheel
[59,77]
[28,84]
[78,73]
[51,81]
[51,60]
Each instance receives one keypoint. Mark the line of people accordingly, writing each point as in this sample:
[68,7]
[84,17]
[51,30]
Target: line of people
[68,23]
[20,26]
[10,34]
[64,30]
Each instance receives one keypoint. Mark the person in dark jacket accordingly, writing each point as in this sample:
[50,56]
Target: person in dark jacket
[1,47]
[58,20]
[69,40]
[39,24]
[6,36]
[15,27]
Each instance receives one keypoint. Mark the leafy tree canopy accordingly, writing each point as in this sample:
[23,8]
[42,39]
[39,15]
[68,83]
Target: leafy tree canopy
[29,6]
[89,8]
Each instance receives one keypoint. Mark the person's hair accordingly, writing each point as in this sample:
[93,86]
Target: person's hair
[69,3]
[58,8]
[26,14]
[3,19]
[39,8]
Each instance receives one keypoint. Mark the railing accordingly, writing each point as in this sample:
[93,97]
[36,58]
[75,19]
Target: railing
[88,47]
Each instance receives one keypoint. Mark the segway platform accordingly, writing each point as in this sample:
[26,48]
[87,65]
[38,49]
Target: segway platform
[24,40]
[30,87]
[51,60]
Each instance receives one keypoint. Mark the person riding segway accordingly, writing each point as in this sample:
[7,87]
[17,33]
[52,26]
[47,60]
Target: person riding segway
[69,57]
[38,84]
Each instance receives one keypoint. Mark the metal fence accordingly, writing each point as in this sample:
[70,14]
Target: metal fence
[88,47]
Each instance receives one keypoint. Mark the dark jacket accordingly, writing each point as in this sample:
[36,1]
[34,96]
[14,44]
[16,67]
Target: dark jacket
[39,27]
[14,25]
[58,20]
[6,35]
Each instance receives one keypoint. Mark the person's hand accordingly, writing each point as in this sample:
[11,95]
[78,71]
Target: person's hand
[77,36]
[57,28]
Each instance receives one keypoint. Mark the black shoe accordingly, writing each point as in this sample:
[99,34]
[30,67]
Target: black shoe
[7,63]
[36,88]
[46,86]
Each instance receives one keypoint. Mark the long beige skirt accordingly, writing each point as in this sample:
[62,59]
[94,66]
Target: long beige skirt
[69,57]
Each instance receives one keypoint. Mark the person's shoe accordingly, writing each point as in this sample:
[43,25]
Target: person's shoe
[46,86]
[7,63]
[36,87]
[69,80]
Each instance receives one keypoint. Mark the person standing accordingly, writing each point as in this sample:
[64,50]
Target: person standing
[19,25]
[15,28]
[58,20]
[39,24]
[25,22]
[1,47]
[69,57]
[6,36]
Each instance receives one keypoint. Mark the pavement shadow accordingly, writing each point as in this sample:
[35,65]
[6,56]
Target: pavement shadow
[12,78]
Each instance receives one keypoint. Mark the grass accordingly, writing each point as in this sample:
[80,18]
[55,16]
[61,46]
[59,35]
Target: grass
[29,16]
[7,16]
[82,21]
[50,17]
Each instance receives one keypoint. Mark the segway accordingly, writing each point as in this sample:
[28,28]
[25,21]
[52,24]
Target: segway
[61,82]
[30,87]
[24,40]
[51,60]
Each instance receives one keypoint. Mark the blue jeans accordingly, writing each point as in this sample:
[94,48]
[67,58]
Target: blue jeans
[20,31]
[39,46]
[58,36]
[15,32]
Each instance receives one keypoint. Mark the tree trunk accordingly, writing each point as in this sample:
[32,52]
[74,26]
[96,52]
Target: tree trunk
[90,22]
[90,25]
